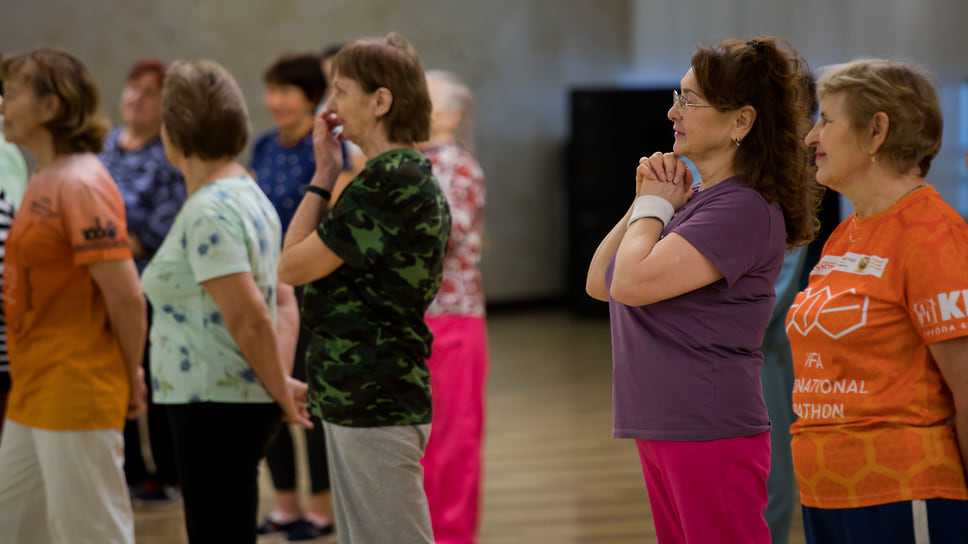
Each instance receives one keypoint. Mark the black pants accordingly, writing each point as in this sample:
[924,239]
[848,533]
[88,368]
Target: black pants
[218,447]
[281,456]
[159,435]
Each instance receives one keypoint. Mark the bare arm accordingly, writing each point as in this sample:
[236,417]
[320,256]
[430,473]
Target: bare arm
[287,325]
[595,280]
[648,270]
[305,257]
[137,248]
[952,358]
[249,322]
[121,289]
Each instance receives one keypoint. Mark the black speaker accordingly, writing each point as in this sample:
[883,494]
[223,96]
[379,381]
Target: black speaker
[610,130]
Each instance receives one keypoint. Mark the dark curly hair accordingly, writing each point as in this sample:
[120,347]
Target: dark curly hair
[768,75]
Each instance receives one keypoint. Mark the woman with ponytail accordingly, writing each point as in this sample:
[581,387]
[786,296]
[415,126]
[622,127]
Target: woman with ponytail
[689,272]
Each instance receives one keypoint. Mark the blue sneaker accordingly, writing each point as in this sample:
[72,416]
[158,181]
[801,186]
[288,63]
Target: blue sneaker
[273,527]
[302,530]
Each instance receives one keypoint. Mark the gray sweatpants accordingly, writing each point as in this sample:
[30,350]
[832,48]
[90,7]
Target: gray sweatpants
[377,484]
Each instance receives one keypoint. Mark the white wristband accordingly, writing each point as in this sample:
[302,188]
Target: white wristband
[652,206]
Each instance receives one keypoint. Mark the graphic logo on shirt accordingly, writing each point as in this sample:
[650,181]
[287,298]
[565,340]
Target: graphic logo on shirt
[43,206]
[851,263]
[927,311]
[833,314]
[97,232]
[937,312]
[100,237]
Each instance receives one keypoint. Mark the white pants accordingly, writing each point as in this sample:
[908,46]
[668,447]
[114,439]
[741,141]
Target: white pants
[59,487]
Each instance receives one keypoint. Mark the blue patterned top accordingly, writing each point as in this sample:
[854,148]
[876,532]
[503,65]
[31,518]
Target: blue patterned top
[226,227]
[283,172]
[152,189]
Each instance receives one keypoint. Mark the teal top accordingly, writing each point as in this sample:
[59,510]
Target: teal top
[226,227]
[13,172]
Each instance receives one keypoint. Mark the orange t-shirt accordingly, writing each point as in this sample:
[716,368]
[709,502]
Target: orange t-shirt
[66,367]
[874,410]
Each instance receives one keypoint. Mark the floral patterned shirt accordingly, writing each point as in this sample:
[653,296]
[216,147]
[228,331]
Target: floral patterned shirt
[462,180]
[226,227]
[153,191]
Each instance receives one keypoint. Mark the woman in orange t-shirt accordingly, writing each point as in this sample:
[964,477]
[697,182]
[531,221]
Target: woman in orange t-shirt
[75,316]
[880,336]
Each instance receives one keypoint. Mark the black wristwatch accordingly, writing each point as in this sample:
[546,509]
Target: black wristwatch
[319,191]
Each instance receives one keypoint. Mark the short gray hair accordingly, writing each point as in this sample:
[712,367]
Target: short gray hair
[460,99]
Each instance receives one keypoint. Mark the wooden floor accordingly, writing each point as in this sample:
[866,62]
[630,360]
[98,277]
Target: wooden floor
[553,474]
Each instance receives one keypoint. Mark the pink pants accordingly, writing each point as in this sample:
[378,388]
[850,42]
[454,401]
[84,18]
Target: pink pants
[708,492]
[452,460]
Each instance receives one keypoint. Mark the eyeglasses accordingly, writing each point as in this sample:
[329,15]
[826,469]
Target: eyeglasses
[680,102]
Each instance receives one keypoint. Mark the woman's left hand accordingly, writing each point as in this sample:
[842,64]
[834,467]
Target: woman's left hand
[666,176]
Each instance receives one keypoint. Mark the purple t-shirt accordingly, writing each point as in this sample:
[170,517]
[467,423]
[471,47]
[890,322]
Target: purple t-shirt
[688,368]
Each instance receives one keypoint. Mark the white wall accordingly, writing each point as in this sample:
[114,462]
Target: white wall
[520,57]
[932,33]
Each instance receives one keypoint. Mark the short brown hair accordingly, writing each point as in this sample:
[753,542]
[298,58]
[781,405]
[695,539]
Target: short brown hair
[77,127]
[302,70]
[392,63]
[147,66]
[204,111]
[767,74]
[901,90]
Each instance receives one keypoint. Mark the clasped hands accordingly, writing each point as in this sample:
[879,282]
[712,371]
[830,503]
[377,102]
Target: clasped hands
[666,176]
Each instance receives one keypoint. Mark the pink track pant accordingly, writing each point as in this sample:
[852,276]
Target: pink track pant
[452,460]
[711,492]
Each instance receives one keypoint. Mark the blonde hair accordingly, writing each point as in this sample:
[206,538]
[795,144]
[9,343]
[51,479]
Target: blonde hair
[905,93]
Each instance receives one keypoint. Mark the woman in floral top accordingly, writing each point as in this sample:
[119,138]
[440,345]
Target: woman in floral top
[214,354]
[459,362]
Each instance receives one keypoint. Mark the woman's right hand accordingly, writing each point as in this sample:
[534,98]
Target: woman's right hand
[327,150]
[294,407]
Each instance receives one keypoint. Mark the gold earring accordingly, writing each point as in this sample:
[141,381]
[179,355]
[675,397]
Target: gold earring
[873,158]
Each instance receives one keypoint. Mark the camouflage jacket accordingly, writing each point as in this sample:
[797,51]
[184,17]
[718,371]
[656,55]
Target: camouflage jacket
[366,362]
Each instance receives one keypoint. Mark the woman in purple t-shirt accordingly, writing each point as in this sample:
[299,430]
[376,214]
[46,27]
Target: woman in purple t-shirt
[688,273]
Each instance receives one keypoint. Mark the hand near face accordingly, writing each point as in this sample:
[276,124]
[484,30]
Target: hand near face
[327,149]
[666,176]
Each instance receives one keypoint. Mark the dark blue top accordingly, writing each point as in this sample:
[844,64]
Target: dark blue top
[283,172]
[152,189]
